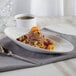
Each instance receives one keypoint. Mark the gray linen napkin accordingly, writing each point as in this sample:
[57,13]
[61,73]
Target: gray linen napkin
[11,63]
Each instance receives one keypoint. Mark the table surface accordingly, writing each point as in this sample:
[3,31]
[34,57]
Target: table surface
[63,68]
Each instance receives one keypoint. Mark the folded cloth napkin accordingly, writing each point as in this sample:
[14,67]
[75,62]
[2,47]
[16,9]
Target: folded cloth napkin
[11,63]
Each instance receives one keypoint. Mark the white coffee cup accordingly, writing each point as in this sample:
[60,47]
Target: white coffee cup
[25,21]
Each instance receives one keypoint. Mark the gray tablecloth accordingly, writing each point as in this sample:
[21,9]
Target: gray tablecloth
[11,63]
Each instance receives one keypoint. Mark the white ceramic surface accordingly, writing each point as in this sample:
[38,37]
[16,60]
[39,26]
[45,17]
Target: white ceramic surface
[25,23]
[61,45]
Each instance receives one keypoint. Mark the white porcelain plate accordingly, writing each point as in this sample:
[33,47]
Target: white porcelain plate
[61,45]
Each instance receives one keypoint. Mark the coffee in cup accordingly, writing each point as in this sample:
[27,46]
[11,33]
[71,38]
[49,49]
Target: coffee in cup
[25,21]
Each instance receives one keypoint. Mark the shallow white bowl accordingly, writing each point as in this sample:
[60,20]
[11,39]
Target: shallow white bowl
[61,45]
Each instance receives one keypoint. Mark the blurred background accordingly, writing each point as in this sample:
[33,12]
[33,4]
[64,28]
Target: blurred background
[38,7]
